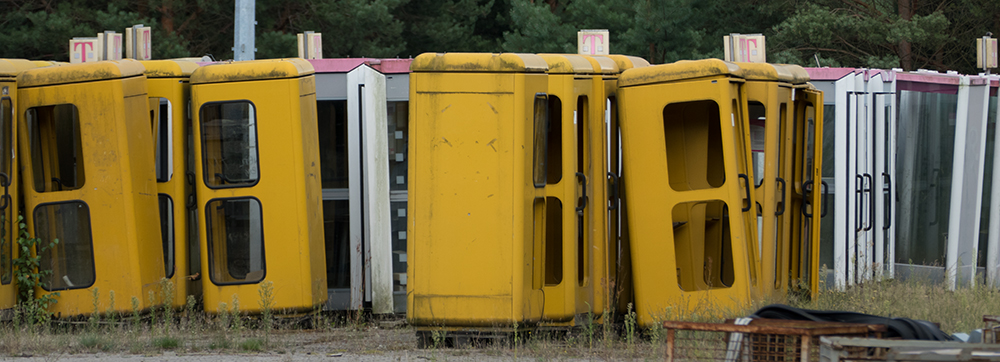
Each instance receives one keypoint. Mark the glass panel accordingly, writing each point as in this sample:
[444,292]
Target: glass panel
[229,144]
[541,134]
[167,233]
[553,157]
[758,137]
[694,145]
[702,245]
[235,241]
[826,224]
[160,107]
[582,122]
[829,140]
[7,235]
[71,260]
[984,220]
[926,136]
[399,236]
[398,136]
[332,118]
[553,241]
[337,232]
[56,149]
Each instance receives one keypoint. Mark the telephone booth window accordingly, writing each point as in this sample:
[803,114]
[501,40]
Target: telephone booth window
[167,233]
[162,117]
[541,133]
[229,144]
[6,153]
[56,149]
[694,145]
[235,241]
[71,258]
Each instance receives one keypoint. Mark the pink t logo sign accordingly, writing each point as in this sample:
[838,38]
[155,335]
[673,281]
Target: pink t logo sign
[83,54]
[593,39]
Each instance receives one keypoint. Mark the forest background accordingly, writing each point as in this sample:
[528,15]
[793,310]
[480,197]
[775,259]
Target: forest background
[908,34]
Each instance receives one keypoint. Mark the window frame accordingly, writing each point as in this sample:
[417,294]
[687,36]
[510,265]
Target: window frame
[208,242]
[204,157]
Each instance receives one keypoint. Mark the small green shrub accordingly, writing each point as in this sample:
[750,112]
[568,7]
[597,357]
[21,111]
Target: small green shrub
[29,274]
[166,342]
[252,345]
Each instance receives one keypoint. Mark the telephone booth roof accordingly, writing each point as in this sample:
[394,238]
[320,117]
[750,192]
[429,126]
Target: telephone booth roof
[626,61]
[681,70]
[169,68]
[567,64]
[478,62]
[78,73]
[252,70]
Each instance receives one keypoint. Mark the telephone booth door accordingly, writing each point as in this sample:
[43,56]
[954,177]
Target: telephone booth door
[688,175]
[365,240]
[169,94]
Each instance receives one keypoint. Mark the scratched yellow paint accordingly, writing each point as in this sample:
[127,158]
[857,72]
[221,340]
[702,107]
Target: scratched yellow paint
[169,79]
[286,189]
[473,253]
[686,171]
[99,199]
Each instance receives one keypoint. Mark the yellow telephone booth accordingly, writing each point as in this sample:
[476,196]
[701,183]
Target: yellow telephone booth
[806,189]
[779,148]
[619,259]
[89,183]
[687,173]
[169,92]
[770,111]
[260,215]
[482,156]
[8,171]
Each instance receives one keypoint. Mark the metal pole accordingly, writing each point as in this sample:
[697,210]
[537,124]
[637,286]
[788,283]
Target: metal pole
[243,34]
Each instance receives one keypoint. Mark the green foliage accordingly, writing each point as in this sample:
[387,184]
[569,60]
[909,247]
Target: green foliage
[29,274]
[934,34]
[266,292]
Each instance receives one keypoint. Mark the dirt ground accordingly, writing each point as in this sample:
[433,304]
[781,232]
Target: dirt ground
[340,344]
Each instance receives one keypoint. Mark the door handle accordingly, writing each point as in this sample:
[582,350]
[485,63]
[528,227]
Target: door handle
[583,199]
[871,201]
[887,219]
[858,192]
[613,195]
[781,210]
[746,185]
[826,192]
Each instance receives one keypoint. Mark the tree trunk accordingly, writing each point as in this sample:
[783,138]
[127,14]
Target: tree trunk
[905,48]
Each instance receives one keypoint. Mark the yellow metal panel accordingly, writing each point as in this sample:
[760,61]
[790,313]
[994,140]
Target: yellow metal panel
[678,71]
[118,188]
[77,73]
[477,62]
[471,246]
[252,70]
[287,188]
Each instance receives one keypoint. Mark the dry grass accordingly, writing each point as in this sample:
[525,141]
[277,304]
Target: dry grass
[956,311]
